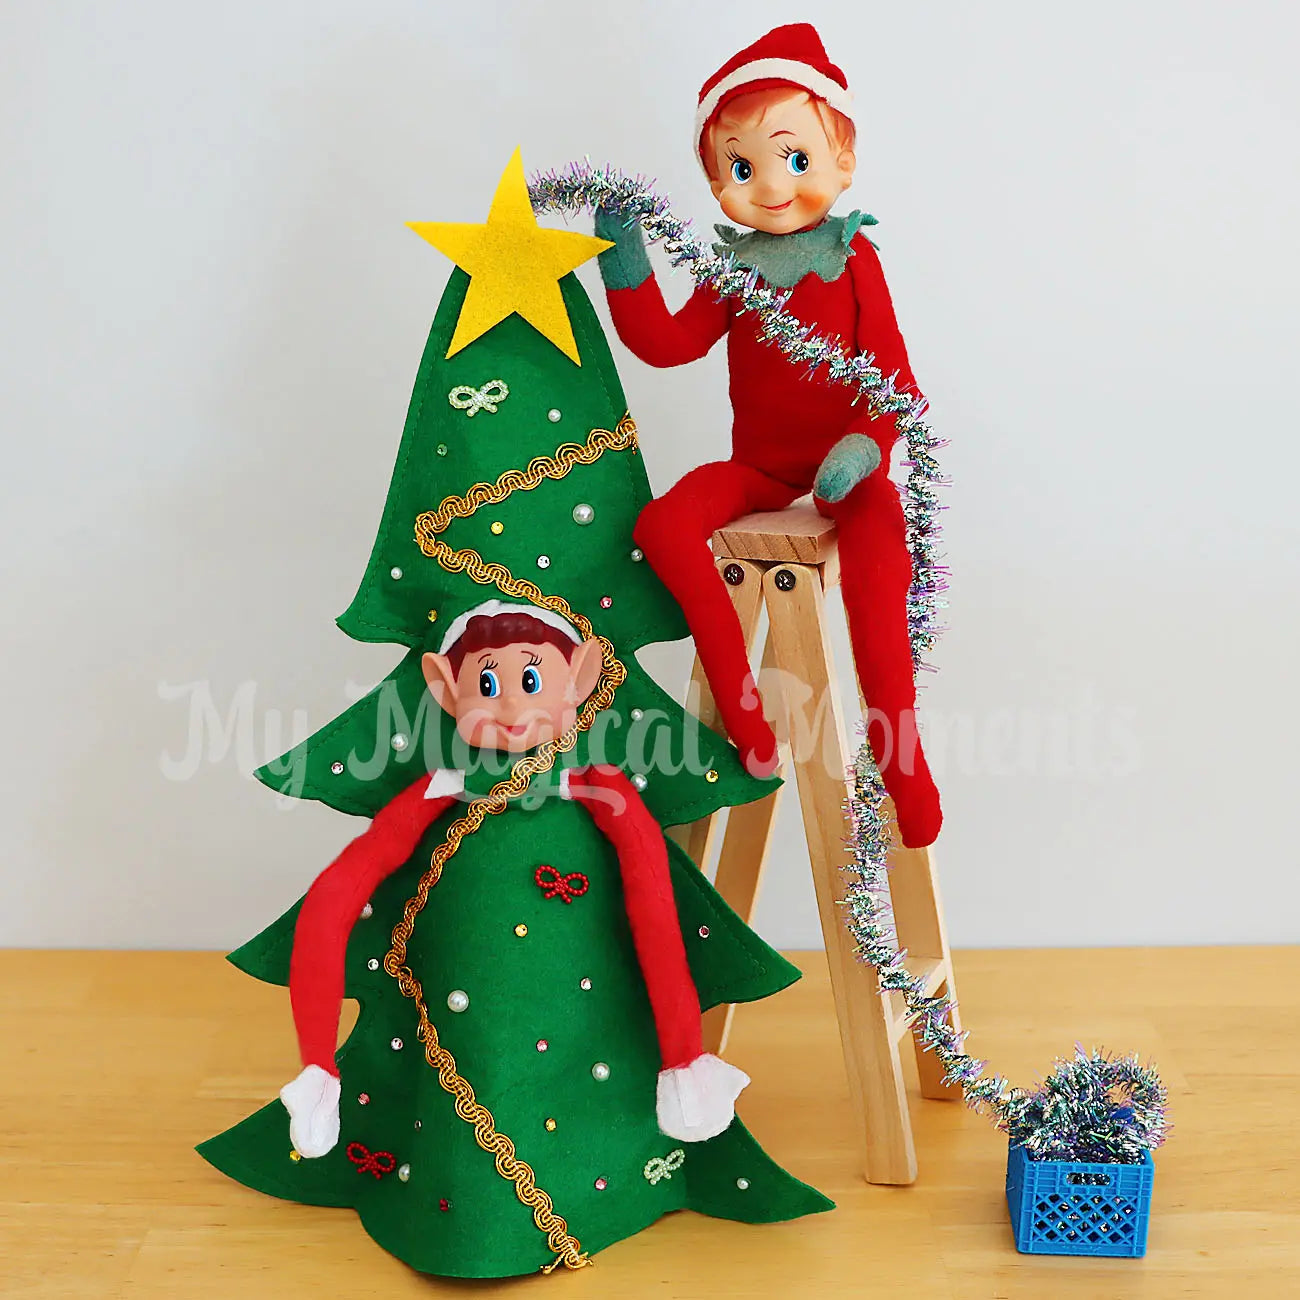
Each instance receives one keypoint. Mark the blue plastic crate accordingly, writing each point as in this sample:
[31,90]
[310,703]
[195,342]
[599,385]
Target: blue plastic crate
[1065,1207]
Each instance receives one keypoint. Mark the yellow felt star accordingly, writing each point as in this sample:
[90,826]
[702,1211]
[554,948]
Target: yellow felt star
[514,265]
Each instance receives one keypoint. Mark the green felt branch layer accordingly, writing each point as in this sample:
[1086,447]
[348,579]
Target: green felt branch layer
[445,451]
[523,990]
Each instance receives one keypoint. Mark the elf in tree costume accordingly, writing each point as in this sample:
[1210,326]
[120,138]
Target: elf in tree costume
[774,135]
[525,1083]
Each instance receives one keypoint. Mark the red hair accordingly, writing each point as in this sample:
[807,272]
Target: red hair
[751,106]
[496,631]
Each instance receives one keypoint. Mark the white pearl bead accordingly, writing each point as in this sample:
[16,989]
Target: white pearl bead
[553,415]
[404,1173]
[367,912]
[395,1044]
[583,513]
[637,715]
[457,1000]
[584,983]
[373,964]
[395,573]
[639,781]
[336,767]
[400,741]
[743,1184]
[600,1071]
[638,554]
[543,561]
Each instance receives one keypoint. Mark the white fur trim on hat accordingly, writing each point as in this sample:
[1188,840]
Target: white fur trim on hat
[791,70]
[491,608]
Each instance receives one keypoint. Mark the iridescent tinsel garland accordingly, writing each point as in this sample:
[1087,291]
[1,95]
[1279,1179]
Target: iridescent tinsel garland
[581,186]
[1093,1107]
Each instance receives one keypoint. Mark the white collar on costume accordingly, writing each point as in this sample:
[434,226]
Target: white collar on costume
[444,781]
[451,780]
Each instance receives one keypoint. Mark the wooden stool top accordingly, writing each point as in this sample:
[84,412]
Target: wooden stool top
[798,535]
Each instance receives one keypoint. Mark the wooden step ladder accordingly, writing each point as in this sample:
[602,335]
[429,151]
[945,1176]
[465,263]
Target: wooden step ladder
[787,561]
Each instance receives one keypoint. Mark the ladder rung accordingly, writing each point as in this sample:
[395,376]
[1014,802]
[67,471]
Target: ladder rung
[933,971]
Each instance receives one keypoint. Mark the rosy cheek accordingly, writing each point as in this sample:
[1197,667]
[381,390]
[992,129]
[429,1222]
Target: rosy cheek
[735,203]
[814,196]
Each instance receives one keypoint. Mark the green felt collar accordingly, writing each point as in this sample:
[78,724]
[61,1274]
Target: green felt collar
[784,260]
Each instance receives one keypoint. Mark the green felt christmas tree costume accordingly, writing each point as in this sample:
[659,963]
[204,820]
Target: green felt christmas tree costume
[532,985]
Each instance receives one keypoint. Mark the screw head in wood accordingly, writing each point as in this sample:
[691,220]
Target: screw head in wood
[785,580]
[733,575]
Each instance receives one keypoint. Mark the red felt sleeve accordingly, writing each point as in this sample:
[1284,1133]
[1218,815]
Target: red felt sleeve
[617,809]
[659,337]
[878,333]
[331,908]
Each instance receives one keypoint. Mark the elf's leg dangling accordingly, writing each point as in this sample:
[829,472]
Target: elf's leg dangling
[674,532]
[876,571]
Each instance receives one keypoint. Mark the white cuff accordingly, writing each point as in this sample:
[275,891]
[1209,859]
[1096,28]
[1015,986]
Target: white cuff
[696,1102]
[312,1101]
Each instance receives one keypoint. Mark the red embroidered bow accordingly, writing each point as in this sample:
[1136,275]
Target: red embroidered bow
[569,887]
[378,1163]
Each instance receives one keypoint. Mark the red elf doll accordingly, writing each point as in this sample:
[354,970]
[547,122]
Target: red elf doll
[512,676]
[774,136]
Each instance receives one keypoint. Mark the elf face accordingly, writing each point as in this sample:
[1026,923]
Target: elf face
[514,697]
[776,168]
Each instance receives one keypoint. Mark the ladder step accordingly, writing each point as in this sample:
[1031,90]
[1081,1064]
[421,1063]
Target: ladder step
[798,535]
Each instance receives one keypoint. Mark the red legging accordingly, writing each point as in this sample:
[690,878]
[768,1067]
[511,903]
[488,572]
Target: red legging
[875,572]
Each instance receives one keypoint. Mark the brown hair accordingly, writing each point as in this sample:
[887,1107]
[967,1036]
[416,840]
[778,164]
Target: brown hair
[752,106]
[496,631]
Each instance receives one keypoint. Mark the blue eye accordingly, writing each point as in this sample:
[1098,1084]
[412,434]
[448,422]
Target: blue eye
[532,681]
[489,684]
[796,163]
[741,171]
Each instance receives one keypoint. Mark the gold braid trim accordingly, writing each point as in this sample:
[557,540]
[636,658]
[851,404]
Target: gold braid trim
[427,527]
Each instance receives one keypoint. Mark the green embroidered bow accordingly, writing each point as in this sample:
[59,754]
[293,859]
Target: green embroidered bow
[473,400]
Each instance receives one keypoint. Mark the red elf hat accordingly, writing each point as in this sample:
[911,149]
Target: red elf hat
[792,55]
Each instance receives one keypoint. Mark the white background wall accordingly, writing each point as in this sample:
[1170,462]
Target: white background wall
[212,315]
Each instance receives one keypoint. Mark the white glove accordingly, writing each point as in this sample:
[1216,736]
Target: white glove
[312,1101]
[696,1102]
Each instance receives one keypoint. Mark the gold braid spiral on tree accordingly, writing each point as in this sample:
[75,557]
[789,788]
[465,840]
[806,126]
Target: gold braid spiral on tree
[428,526]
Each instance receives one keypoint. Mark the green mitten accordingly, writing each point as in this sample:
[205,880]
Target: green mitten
[627,264]
[846,465]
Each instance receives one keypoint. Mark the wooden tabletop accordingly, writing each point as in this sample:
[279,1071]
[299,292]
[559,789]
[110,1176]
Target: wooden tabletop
[112,1065]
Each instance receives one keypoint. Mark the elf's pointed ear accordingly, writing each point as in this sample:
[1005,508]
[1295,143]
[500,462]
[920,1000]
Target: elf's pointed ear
[847,162]
[442,681]
[717,187]
[584,668]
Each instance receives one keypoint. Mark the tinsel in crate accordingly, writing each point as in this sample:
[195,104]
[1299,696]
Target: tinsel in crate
[1079,1167]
